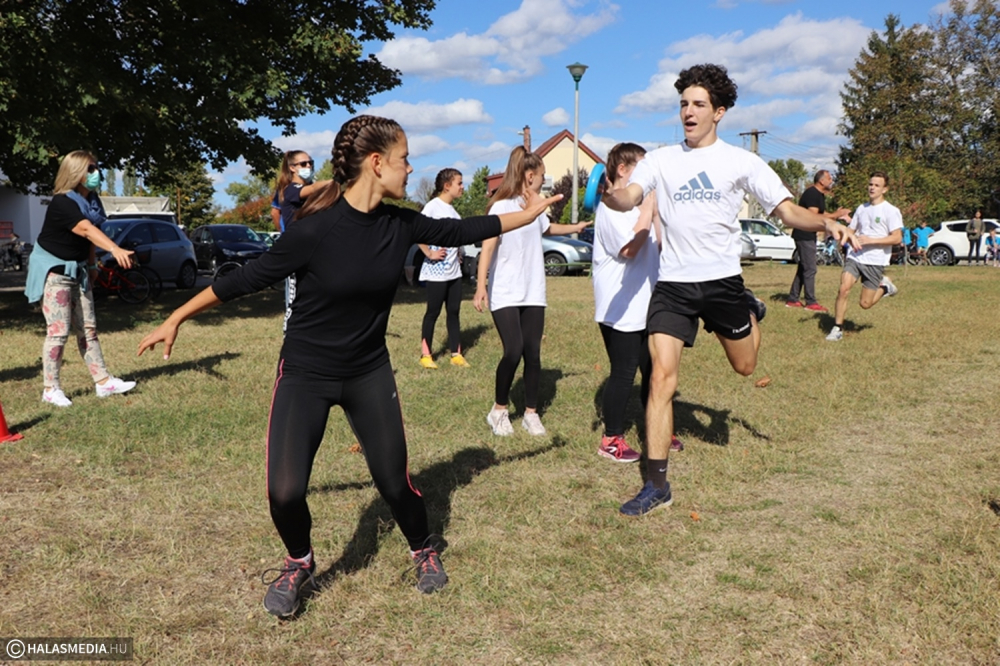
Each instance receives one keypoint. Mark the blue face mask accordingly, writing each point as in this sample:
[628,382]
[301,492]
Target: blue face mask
[93,181]
[305,174]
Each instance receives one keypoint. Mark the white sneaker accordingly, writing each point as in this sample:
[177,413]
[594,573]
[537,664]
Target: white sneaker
[55,396]
[890,288]
[533,424]
[113,386]
[835,335]
[499,420]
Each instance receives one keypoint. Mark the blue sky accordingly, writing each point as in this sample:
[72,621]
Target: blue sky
[477,76]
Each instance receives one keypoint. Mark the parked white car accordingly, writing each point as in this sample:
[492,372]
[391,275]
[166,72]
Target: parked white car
[948,245]
[772,243]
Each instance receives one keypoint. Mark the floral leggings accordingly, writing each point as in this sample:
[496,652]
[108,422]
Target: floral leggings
[66,305]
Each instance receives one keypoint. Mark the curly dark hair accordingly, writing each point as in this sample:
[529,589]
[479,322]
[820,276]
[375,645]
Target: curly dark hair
[713,78]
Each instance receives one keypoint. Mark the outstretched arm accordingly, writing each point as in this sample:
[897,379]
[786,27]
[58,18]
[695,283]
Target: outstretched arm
[167,331]
[797,217]
[534,206]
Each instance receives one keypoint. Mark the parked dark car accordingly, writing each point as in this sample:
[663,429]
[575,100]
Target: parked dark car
[160,245]
[215,244]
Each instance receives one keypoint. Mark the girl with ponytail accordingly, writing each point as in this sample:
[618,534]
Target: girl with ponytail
[511,282]
[347,249]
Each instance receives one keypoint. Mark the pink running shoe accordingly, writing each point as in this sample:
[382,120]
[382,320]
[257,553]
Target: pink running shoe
[676,444]
[616,449]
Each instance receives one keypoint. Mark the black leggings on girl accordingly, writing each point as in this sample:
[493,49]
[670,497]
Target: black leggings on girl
[299,410]
[450,294]
[520,330]
[627,352]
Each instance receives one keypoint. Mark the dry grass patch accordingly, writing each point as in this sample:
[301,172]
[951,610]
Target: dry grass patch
[839,515]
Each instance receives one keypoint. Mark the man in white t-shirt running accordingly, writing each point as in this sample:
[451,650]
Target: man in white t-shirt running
[699,187]
[879,226]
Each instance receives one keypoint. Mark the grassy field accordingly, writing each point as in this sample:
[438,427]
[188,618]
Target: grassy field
[846,513]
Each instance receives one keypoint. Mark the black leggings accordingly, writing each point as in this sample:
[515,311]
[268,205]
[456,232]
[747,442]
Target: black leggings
[627,352]
[450,294]
[520,330]
[299,410]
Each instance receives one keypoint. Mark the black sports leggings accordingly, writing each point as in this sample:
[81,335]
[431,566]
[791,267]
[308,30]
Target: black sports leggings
[520,330]
[450,294]
[299,410]
[627,352]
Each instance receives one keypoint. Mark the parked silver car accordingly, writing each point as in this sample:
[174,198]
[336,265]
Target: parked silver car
[160,245]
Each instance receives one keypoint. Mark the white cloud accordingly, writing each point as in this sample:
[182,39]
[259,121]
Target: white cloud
[602,145]
[318,144]
[510,50]
[477,154]
[422,145]
[556,117]
[425,116]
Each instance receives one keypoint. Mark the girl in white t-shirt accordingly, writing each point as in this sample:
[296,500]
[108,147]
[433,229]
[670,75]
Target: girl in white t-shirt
[442,272]
[512,282]
[626,262]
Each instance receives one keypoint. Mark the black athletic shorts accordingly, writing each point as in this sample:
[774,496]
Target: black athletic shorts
[722,304]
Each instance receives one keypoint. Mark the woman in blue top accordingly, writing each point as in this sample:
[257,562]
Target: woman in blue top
[61,270]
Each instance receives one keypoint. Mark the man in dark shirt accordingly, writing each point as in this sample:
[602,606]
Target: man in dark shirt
[814,198]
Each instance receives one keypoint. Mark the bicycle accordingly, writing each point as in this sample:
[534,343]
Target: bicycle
[228,267]
[829,254]
[155,282]
[129,284]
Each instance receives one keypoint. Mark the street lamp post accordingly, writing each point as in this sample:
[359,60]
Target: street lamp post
[576,70]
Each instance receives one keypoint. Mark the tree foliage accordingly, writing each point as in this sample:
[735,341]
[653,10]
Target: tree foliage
[473,200]
[191,189]
[564,186]
[169,83]
[923,105]
[250,188]
[792,173]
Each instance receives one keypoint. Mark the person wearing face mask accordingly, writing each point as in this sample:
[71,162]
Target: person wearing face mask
[62,269]
[295,184]
[511,283]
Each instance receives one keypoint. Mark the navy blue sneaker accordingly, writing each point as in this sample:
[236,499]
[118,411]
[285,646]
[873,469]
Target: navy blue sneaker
[648,499]
[757,306]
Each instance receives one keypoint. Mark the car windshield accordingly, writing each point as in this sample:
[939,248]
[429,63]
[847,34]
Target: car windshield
[234,234]
[113,229]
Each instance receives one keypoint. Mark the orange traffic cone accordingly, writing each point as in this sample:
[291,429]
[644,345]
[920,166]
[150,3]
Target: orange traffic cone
[5,434]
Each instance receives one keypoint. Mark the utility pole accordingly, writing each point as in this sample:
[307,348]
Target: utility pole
[755,210]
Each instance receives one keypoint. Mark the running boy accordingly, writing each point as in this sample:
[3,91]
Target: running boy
[879,226]
[699,188]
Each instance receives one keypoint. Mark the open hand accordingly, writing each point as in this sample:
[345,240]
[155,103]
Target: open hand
[165,333]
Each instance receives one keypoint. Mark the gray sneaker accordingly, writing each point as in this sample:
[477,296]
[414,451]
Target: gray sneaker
[533,424]
[890,288]
[284,592]
[499,420]
[430,572]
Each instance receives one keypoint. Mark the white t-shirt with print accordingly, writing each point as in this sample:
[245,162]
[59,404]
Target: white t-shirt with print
[622,287]
[517,272]
[699,192]
[877,221]
[448,268]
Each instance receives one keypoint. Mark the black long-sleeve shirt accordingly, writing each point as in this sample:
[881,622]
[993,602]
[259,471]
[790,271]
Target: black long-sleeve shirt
[347,266]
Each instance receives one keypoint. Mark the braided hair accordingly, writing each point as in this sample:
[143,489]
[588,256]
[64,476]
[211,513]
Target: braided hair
[358,137]
[444,177]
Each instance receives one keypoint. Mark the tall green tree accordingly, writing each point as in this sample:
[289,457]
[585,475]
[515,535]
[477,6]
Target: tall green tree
[792,173]
[250,188]
[190,192]
[474,199]
[169,83]
[130,182]
[891,121]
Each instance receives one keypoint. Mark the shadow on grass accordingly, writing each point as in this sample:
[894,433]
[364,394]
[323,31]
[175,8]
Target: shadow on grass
[21,426]
[206,364]
[546,391]
[468,339]
[437,484]
[826,321]
[635,412]
[717,431]
[21,373]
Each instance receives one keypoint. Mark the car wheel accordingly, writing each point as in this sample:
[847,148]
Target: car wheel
[555,264]
[187,276]
[940,255]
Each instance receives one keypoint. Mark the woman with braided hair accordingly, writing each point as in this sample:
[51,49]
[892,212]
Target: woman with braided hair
[347,249]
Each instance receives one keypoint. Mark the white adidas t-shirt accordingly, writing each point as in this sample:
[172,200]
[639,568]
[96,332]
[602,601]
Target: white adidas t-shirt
[699,192]
[448,268]
[877,221]
[517,273]
[622,287]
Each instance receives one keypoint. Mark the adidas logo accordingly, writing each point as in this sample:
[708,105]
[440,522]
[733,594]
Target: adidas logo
[699,188]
